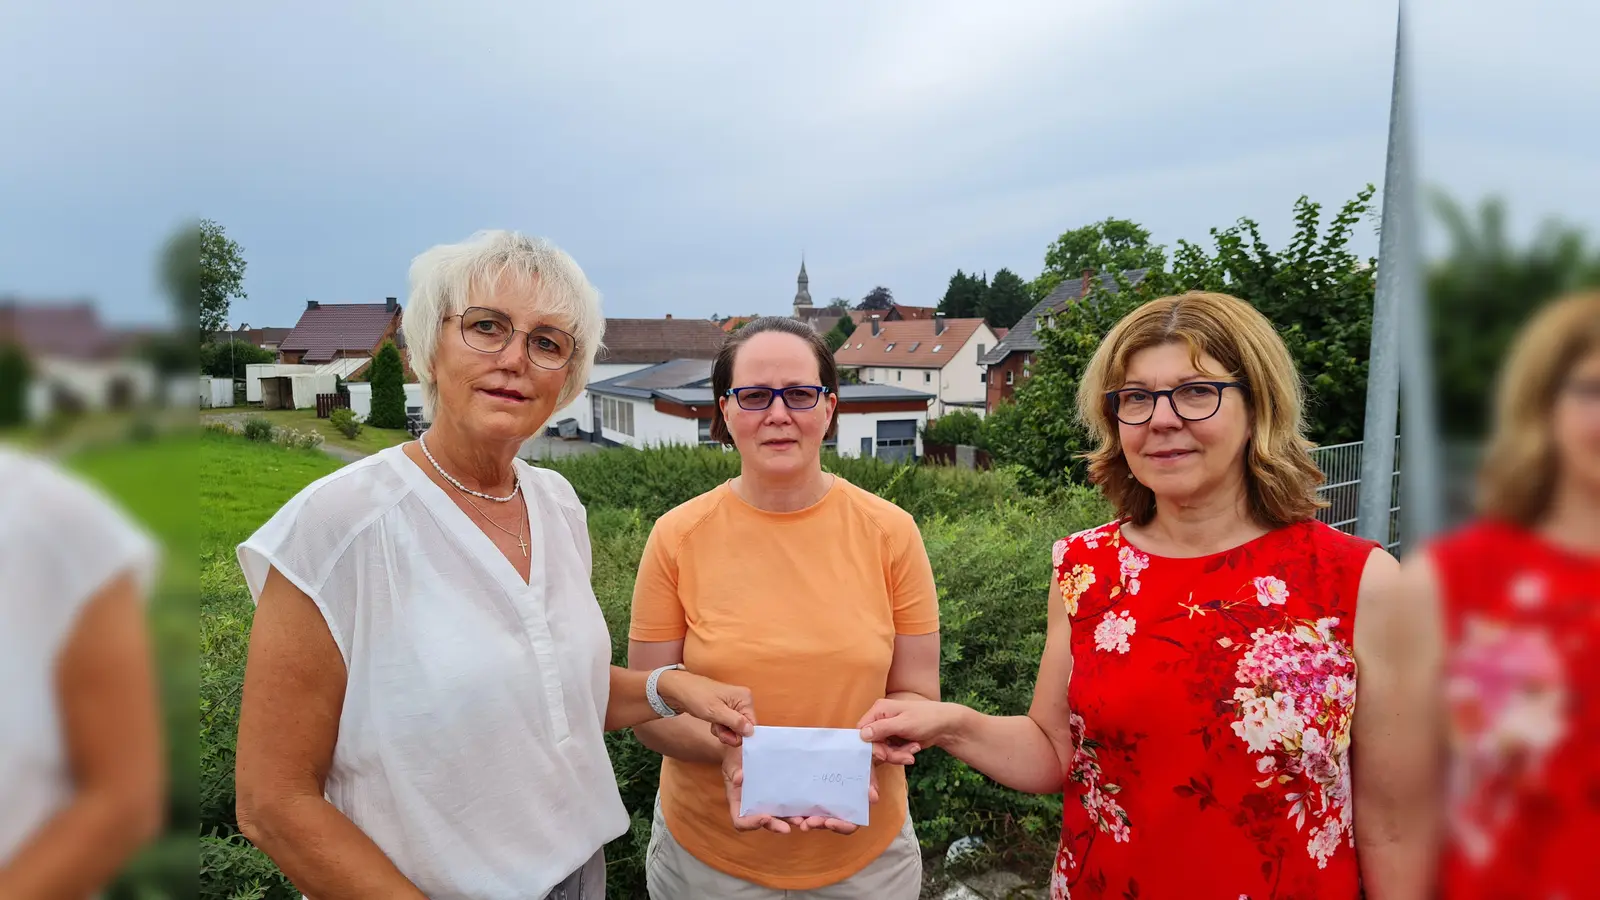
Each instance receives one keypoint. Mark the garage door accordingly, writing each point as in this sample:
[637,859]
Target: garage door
[897,440]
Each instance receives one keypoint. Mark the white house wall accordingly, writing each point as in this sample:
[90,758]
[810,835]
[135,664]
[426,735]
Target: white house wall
[361,398]
[254,372]
[651,427]
[961,380]
[855,426]
[582,406]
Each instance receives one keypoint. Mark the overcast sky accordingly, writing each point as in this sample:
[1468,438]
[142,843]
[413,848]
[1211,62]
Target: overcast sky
[688,153]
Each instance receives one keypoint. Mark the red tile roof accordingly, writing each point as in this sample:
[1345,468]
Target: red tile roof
[327,328]
[914,345]
[660,340]
[70,330]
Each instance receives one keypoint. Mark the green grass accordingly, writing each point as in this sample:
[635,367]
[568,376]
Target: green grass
[369,440]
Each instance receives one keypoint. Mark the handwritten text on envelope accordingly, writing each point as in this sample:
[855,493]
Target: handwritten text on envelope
[806,772]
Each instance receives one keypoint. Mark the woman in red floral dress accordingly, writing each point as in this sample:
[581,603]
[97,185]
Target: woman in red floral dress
[1521,591]
[1197,694]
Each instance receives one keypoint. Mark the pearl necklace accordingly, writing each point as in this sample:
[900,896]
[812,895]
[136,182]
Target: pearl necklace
[517,486]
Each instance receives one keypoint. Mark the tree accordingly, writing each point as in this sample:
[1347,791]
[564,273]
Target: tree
[228,359]
[220,276]
[388,389]
[964,298]
[840,304]
[878,298]
[1316,291]
[14,375]
[1006,300]
[1481,293]
[1114,245]
[834,339]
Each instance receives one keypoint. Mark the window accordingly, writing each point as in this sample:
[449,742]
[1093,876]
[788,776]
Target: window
[616,415]
[1028,360]
[1011,377]
[980,351]
[897,374]
[927,377]
[938,347]
[983,377]
[704,431]
[890,347]
[914,346]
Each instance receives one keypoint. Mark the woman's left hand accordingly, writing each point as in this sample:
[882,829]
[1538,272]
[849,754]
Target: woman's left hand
[728,708]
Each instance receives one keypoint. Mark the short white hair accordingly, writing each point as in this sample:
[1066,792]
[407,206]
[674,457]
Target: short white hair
[444,278]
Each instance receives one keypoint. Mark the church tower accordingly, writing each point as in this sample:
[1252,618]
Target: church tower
[802,296]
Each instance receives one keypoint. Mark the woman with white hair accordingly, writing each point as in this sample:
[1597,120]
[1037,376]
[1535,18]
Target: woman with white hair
[428,681]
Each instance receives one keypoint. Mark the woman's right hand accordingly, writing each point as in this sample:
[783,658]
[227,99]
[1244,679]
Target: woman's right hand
[921,723]
[733,781]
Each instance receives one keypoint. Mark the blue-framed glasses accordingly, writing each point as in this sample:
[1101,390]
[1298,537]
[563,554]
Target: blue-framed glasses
[797,396]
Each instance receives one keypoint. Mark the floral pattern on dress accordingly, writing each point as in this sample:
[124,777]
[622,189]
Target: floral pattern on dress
[1249,654]
[1296,705]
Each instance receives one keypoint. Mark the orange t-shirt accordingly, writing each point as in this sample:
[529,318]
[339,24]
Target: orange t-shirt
[802,608]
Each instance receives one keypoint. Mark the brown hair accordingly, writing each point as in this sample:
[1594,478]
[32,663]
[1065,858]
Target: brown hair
[722,369]
[1280,475]
[1518,479]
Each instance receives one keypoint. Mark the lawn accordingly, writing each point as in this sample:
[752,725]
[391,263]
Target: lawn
[369,440]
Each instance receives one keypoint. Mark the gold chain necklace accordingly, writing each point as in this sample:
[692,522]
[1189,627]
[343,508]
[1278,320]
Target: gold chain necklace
[518,535]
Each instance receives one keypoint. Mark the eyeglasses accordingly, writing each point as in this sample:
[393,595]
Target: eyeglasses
[490,331]
[1193,402]
[799,396]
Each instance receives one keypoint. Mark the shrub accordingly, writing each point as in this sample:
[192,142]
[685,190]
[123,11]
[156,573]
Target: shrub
[257,428]
[345,421]
[13,385]
[231,868]
[388,389]
[295,439]
[961,426]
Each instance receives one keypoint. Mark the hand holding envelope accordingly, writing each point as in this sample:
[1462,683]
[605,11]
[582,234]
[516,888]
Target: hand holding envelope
[805,778]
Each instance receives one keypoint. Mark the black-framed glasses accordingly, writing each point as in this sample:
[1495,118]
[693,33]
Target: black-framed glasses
[1195,401]
[797,396]
[491,331]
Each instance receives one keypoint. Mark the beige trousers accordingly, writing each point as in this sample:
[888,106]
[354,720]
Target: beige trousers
[672,873]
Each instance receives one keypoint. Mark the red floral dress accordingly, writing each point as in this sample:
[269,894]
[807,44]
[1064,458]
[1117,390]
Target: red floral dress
[1522,673]
[1212,700]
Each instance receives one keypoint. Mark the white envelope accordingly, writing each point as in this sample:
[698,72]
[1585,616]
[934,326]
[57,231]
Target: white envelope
[806,772]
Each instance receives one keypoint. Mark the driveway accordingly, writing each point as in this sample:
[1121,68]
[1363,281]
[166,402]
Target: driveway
[542,446]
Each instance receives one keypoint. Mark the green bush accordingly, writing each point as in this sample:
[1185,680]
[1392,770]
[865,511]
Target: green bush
[387,374]
[14,372]
[960,426]
[345,421]
[258,429]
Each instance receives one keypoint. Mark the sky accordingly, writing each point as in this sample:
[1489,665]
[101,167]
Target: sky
[688,154]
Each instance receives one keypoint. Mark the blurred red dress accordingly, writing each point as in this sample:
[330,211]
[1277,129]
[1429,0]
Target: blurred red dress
[1212,701]
[1523,619]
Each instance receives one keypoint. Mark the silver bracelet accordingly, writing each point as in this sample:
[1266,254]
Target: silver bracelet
[654,696]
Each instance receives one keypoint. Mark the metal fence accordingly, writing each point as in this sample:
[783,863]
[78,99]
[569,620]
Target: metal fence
[1341,465]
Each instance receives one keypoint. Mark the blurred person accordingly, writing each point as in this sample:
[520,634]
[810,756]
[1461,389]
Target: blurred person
[82,770]
[428,680]
[1196,699]
[1520,591]
[815,593]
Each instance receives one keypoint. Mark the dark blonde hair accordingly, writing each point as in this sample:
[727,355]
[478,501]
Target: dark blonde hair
[1280,476]
[1518,479]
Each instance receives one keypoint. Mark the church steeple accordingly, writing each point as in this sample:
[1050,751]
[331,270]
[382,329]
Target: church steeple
[802,296]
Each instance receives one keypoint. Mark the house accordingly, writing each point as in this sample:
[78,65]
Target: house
[630,345]
[265,338]
[937,355]
[734,323]
[671,403]
[342,338]
[77,363]
[1011,359]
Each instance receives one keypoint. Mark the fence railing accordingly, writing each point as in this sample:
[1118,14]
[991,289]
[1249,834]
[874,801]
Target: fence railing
[327,403]
[1341,466]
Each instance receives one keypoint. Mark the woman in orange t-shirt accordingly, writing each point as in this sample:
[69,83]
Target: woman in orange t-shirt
[815,594]
[1520,588]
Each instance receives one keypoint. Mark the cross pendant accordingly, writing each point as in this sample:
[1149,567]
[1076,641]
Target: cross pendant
[524,545]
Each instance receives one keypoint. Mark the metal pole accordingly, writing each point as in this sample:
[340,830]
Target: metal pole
[1422,504]
[1383,370]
